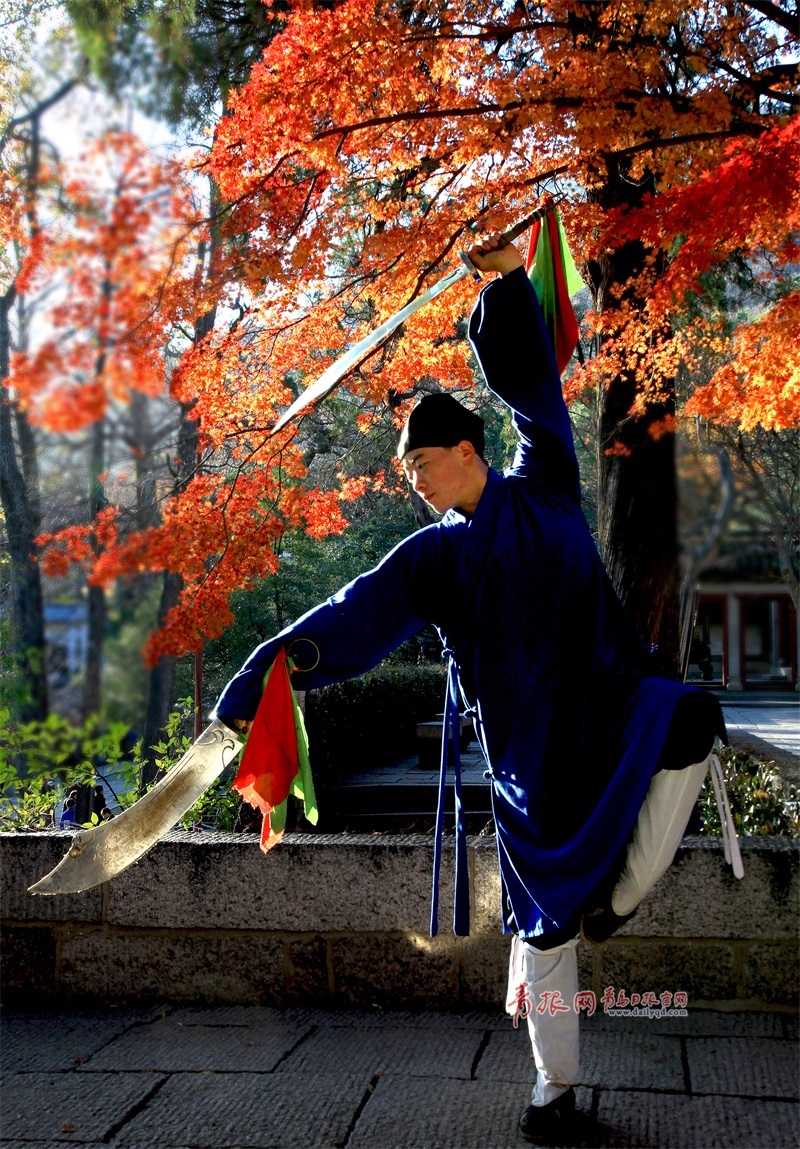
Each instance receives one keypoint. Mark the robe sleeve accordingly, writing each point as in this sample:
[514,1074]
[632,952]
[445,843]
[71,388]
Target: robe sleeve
[510,339]
[352,631]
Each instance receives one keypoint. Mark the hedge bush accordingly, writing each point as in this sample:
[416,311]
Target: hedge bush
[761,801]
[371,720]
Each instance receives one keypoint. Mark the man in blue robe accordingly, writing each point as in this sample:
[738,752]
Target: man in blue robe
[576,729]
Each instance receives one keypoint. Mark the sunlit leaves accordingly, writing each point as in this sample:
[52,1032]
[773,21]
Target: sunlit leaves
[116,256]
[369,140]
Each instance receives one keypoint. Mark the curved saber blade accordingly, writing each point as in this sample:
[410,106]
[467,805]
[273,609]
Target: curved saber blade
[101,852]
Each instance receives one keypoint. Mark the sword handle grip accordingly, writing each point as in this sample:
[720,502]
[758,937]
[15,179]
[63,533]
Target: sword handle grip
[518,228]
[508,236]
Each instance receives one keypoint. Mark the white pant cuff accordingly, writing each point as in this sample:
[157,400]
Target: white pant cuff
[546,1091]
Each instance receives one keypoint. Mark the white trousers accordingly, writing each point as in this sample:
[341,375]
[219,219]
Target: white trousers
[550,977]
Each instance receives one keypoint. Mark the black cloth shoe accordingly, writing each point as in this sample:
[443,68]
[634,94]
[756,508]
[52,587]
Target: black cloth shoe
[599,924]
[548,1124]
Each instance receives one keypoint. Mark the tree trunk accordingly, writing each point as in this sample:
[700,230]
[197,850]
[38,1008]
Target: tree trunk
[20,508]
[19,489]
[637,519]
[637,501]
[161,681]
[160,687]
[97,595]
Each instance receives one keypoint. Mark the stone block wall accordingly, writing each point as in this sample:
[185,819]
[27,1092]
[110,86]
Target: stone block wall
[343,919]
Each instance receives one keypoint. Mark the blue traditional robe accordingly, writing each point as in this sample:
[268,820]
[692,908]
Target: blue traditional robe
[572,723]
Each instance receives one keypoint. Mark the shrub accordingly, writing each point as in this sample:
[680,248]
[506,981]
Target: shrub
[371,720]
[761,802]
[37,759]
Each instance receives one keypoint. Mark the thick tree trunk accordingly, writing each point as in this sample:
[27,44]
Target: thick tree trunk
[637,499]
[20,507]
[160,687]
[637,520]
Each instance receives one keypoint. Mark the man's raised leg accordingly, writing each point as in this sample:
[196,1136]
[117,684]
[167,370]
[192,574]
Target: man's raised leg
[657,834]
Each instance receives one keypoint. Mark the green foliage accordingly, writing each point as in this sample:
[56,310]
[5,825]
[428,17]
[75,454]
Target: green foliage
[12,682]
[311,570]
[171,748]
[218,806]
[371,720]
[215,810]
[125,674]
[175,60]
[38,758]
[761,802]
[32,809]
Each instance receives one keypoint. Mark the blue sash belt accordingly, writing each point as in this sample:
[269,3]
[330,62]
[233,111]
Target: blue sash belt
[451,735]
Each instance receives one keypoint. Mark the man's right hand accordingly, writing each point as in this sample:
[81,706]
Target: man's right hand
[491,254]
[240,724]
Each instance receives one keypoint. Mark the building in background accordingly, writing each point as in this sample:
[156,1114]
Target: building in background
[745,633]
[66,631]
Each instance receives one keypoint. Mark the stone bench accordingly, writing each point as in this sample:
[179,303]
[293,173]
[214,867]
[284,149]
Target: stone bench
[429,739]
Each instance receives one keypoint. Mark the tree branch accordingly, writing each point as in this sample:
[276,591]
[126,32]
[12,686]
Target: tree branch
[774,12]
[760,86]
[429,114]
[741,129]
[41,107]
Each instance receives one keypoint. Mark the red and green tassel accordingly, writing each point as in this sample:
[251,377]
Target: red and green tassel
[552,271]
[275,759]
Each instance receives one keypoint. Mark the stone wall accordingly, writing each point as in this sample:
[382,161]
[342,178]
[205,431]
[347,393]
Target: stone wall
[343,919]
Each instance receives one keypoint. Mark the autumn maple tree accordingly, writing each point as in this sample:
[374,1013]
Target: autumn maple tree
[368,144]
[672,133]
[125,262]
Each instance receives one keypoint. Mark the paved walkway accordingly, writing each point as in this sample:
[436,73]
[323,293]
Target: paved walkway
[776,721]
[204,1078]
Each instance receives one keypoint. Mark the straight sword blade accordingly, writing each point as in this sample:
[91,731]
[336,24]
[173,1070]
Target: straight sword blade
[331,376]
[99,853]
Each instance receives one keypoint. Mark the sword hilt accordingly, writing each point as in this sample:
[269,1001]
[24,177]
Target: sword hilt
[513,232]
[517,229]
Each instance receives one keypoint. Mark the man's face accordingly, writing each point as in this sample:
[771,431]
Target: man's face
[441,476]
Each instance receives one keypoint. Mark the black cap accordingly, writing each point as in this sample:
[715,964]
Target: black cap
[440,421]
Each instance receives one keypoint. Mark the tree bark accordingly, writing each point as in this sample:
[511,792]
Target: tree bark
[637,519]
[19,487]
[22,526]
[160,687]
[637,498]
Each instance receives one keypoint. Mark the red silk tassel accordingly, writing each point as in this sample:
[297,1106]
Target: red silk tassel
[270,759]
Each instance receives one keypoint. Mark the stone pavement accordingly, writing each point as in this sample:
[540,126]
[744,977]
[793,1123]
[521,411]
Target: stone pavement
[776,720]
[239,1077]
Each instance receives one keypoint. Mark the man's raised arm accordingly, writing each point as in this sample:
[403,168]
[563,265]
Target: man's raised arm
[510,339]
